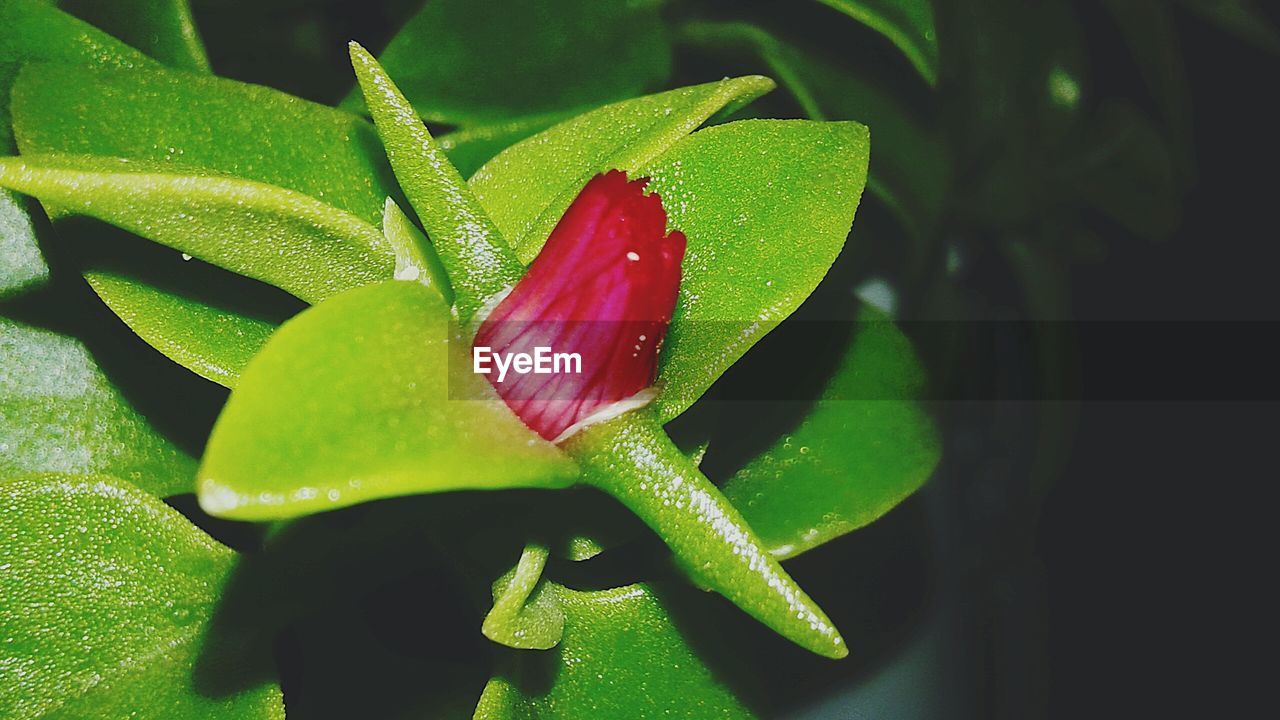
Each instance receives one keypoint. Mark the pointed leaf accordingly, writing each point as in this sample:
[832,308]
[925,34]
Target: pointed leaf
[279,236]
[415,258]
[528,187]
[351,401]
[766,206]
[479,263]
[108,594]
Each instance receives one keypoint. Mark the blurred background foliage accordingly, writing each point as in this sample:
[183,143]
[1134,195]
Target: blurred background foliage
[1031,160]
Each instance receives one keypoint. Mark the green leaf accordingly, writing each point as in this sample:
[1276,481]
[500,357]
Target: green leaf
[34,31]
[37,32]
[21,264]
[243,130]
[910,168]
[908,24]
[366,396]
[864,447]
[479,61]
[529,186]
[621,656]
[632,459]
[766,206]
[221,125]
[415,258]
[479,263]
[470,148]
[59,413]
[163,29]
[108,597]
[268,233]
[214,344]
[524,614]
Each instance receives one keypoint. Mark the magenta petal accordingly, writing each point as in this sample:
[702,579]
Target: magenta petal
[604,288]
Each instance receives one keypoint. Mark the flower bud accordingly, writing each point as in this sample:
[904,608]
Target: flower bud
[602,290]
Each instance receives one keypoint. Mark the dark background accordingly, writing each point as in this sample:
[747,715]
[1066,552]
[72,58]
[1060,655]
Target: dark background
[1093,556]
[1094,543]
[1153,539]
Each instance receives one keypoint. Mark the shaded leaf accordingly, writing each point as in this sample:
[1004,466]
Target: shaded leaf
[1127,172]
[108,594]
[21,264]
[214,344]
[866,445]
[766,206]
[910,168]
[1149,30]
[59,413]
[362,397]
[163,29]
[908,24]
[621,656]
[477,61]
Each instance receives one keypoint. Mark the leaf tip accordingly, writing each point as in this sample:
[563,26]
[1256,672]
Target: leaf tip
[217,499]
[359,56]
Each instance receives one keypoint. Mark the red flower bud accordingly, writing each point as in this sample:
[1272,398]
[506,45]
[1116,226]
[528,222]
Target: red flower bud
[603,288]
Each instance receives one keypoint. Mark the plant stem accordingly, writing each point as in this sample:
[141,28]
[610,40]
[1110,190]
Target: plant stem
[631,458]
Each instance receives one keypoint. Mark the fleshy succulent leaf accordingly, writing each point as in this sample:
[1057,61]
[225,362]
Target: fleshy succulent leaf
[269,233]
[479,262]
[390,410]
[527,187]
[109,595]
[766,206]
[865,446]
[60,413]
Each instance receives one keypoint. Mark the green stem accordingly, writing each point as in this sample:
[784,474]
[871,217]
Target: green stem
[632,459]
[478,261]
[521,617]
